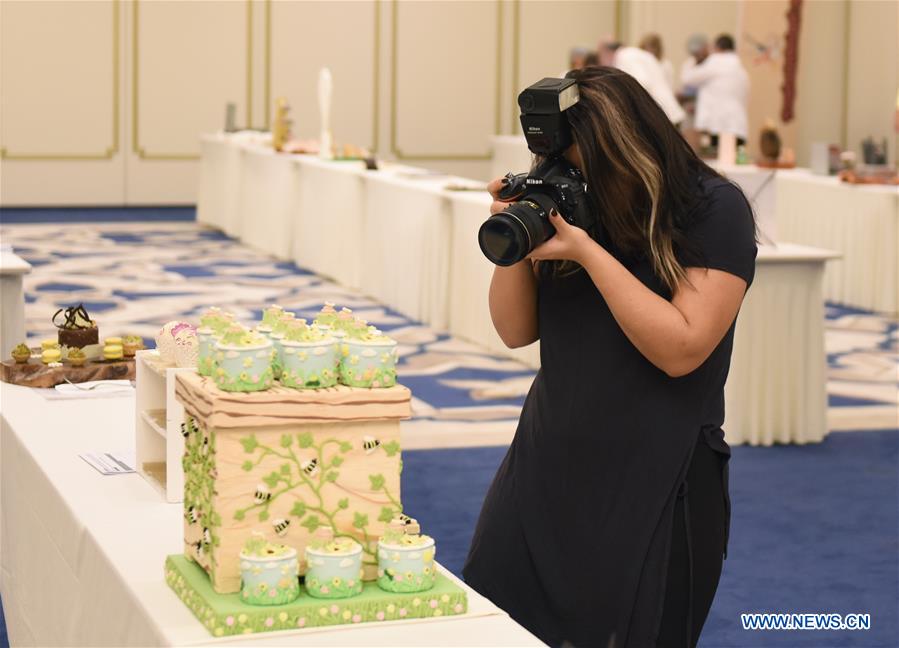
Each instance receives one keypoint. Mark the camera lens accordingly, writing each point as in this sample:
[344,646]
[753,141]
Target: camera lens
[509,236]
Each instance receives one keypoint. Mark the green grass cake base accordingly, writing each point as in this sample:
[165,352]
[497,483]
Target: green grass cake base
[226,614]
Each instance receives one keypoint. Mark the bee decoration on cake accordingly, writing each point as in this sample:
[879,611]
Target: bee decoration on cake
[262,494]
[370,444]
[207,536]
[280,525]
[184,430]
[198,546]
[192,514]
[310,466]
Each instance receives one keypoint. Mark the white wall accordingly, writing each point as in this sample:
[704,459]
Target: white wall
[102,101]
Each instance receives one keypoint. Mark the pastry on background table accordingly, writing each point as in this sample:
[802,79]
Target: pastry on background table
[75,328]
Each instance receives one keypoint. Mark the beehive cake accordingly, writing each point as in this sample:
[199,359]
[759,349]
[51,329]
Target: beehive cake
[284,462]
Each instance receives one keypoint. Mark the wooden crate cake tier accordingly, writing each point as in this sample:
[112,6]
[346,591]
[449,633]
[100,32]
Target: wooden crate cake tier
[284,462]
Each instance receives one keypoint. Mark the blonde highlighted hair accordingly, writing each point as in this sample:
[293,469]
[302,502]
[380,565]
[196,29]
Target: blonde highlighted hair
[642,175]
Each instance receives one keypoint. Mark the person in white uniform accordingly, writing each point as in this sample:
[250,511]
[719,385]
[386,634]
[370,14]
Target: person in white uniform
[652,43]
[647,70]
[723,91]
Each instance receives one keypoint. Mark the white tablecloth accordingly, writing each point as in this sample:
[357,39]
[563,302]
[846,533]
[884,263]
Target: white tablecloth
[218,197]
[405,246]
[267,198]
[12,300]
[83,554]
[860,222]
[776,388]
[328,217]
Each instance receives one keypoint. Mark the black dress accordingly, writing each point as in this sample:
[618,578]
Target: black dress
[574,537]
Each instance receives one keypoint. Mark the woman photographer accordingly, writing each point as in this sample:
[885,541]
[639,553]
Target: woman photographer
[607,522]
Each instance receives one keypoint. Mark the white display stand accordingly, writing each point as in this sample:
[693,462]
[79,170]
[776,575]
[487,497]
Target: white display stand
[12,296]
[157,425]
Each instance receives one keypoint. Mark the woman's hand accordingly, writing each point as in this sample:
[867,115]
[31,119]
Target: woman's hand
[569,244]
[494,187]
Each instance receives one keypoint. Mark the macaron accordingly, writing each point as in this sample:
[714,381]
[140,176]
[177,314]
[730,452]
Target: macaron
[111,341]
[113,352]
[49,343]
[51,355]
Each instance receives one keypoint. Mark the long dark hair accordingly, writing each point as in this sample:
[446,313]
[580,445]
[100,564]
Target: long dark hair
[642,174]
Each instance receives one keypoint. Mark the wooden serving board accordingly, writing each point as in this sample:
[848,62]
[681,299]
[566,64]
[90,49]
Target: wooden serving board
[35,373]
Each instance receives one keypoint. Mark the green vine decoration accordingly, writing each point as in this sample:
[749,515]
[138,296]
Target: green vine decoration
[310,510]
[198,462]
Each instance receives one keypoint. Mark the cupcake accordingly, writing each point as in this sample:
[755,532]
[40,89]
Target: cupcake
[268,572]
[213,322]
[367,358]
[308,357]
[405,560]
[243,360]
[333,566]
[76,357]
[131,344]
[279,328]
[269,317]
[21,353]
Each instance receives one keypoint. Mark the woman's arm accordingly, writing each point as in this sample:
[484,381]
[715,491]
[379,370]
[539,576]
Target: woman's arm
[675,336]
[513,304]
[513,292]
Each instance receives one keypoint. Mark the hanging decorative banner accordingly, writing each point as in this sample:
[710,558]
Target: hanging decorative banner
[791,60]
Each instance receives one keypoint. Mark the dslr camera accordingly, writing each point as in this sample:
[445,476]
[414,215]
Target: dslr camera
[510,235]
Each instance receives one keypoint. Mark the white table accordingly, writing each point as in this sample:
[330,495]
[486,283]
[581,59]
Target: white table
[12,300]
[776,390]
[266,201]
[218,197]
[82,554]
[328,218]
[859,221]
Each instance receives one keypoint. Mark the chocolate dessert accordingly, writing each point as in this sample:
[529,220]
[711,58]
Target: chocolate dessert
[76,328]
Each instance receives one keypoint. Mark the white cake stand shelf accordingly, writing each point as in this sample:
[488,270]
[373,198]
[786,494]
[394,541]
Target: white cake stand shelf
[158,418]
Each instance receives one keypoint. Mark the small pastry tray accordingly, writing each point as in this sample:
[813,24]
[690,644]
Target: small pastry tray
[35,373]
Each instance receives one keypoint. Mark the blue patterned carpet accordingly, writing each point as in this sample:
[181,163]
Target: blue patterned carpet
[814,527]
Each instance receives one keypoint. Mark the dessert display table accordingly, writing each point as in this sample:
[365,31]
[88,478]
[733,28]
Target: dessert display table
[12,300]
[83,554]
[385,232]
[859,221]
